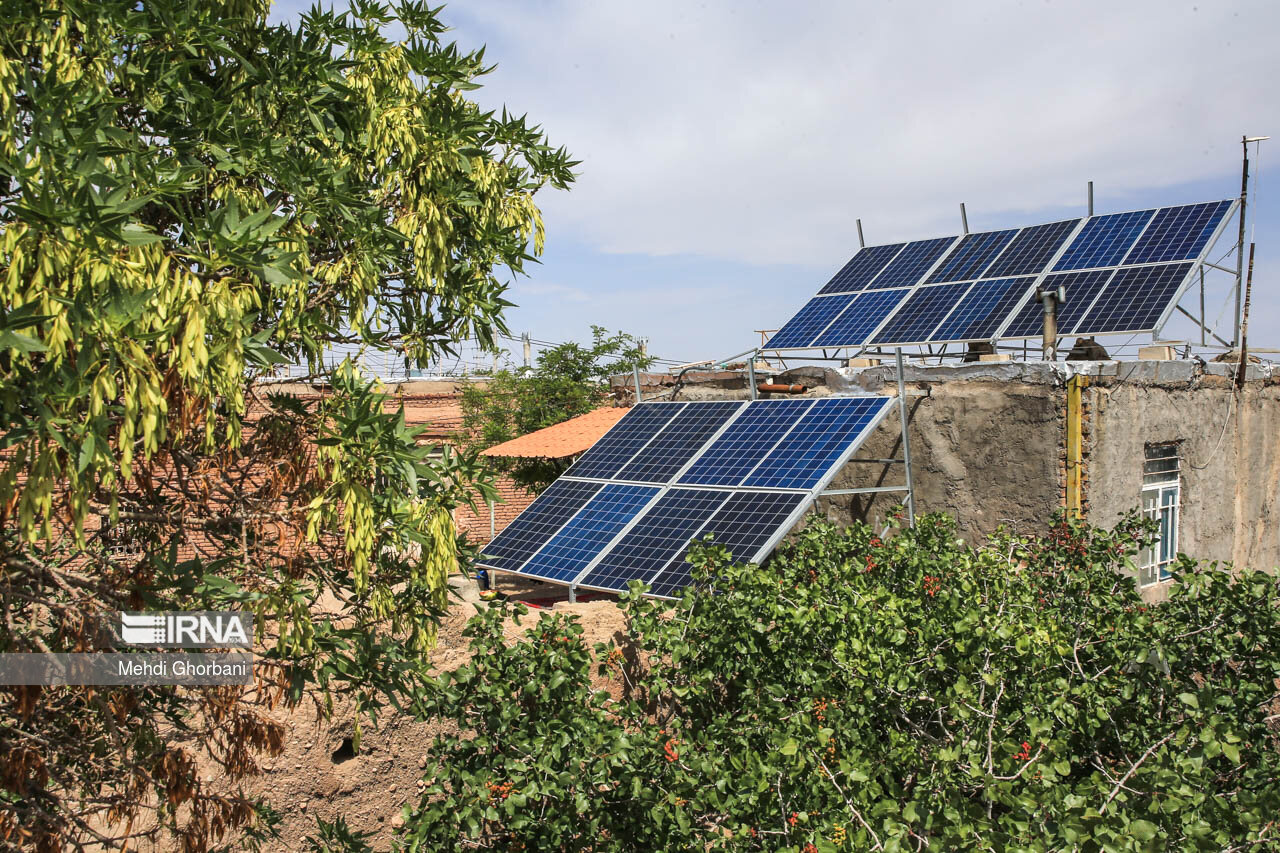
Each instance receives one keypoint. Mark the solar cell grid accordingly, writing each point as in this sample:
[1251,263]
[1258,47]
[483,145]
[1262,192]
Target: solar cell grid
[1178,233]
[747,440]
[1031,249]
[656,539]
[971,256]
[921,314]
[853,326]
[746,522]
[914,261]
[1104,240]
[576,545]
[1134,300]
[1082,288]
[607,456]
[817,442]
[677,443]
[981,311]
[861,268]
[526,534]
[810,320]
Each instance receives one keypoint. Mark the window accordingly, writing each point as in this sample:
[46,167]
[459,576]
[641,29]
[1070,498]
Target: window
[1161,497]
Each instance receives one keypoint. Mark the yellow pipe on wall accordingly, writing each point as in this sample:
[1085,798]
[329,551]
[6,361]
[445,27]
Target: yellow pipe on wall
[1075,444]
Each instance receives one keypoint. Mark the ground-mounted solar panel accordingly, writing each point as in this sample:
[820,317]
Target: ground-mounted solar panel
[517,542]
[855,325]
[982,310]
[912,262]
[746,523]
[657,539]
[971,256]
[1178,233]
[576,544]
[1081,289]
[728,459]
[1134,300]
[861,269]
[1104,240]
[817,442]
[801,329]
[677,442]
[920,314]
[624,440]
[1031,250]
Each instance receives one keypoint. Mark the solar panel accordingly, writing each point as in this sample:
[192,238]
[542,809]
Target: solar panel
[1104,240]
[1178,233]
[577,543]
[861,319]
[968,259]
[624,440]
[1031,249]
[744,525]
[677,443]
[747,440]
[981,311]
[1082,288]
[817,442]
[810,320]
[861,268]
[540,520]
[1135,299]
[921,313]
[657,538]
[914,261]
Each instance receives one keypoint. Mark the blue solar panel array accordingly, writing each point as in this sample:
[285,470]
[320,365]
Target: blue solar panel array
[983,286]
[737,471]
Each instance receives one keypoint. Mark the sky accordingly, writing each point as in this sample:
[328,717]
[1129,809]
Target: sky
[729,147]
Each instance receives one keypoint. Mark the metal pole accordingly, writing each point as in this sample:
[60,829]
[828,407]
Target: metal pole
[635,373]
[1203,319]
[964,219]
[528,350]
[862,243]
[1244,199]
[751,375]
[1049,343]
[492,529]
[1091,198]
[906,440]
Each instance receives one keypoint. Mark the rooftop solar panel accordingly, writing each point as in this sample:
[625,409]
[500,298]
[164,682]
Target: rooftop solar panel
[861,268]
[982,310]
[656,539]
[744,525]
[1082,288]
[971,256]
[817,442]
[539,521]
[1178,233]
[810,320]
[861,319]
[914,261]
[624,440]
[1134,300]
[920,314]
[1104,240]
[747,440]
[677,443]
[1031,250]
[569,551]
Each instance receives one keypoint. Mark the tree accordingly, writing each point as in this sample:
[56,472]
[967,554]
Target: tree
[190,197]
[861,693]
[566,381]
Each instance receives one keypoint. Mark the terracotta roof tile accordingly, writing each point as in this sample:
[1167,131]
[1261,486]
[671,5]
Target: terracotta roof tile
[563,439]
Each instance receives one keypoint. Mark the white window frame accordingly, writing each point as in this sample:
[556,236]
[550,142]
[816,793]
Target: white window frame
[1161,502]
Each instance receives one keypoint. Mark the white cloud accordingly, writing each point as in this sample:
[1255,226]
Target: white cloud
[759,132]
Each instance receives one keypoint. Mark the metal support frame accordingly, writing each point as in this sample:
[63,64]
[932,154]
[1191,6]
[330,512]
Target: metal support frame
[751,373]
[906,439]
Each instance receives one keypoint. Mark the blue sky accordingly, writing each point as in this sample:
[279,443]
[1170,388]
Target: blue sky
[728,147]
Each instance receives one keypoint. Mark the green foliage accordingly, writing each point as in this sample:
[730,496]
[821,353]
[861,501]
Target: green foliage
[863,694]
[190,197]
[566,381]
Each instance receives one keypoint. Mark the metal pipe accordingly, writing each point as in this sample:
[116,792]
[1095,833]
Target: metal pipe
[862,243]
[751,375]
[635,373]
[1049,343]
[1244,200]
[870,490]
[492,523]
[772,388]
[964,219]
[1091,198]
[1202,316]
[906,439]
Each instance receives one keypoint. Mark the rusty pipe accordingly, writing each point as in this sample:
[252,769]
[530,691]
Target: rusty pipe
[772,388]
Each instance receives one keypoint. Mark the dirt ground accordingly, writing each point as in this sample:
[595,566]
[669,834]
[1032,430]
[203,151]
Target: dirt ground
[319,775]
